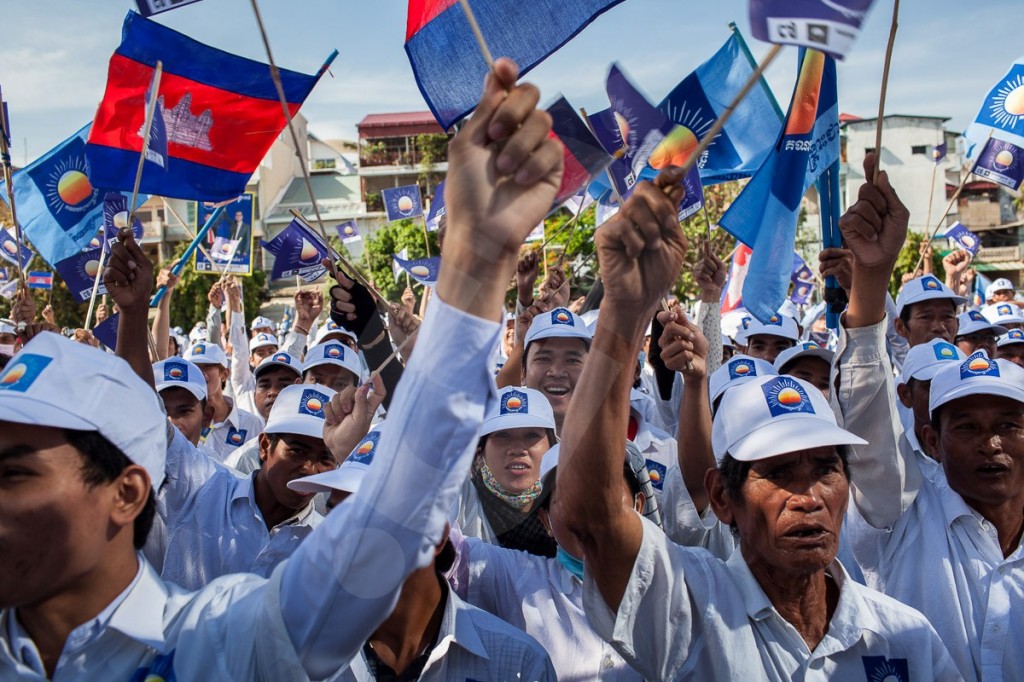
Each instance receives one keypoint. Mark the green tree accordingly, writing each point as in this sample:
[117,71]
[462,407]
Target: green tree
[910,254]
[717,198]
[389,240]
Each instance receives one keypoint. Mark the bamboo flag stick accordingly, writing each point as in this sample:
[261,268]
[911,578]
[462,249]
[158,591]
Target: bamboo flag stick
[394,354]
[8,170]
[885,87]
[727,114]
[484,50]
[942,218]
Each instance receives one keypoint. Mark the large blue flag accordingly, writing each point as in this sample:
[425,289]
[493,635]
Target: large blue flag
[59,209]
[1002,112]
[297,252]
[446,59]
[764,215]
[700,98]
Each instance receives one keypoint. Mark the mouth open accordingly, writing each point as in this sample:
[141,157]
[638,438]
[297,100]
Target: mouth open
[557,391]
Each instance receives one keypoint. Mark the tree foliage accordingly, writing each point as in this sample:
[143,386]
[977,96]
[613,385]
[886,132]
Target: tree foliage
[388,240]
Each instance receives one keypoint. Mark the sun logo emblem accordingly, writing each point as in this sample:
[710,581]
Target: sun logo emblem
[785,396]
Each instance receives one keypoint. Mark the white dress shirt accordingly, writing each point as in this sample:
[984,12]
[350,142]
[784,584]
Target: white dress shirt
[238,428]
[918,541]
[688,615]
[311,618]
[539,596]
[658,448]
[472,645]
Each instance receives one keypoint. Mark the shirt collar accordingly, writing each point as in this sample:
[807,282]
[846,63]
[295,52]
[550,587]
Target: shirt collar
[457,627]
[231,419]
[141,614]
[755,601]
[245,489]
[953,506]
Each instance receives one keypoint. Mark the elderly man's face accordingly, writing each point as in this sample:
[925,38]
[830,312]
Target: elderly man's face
[790,511]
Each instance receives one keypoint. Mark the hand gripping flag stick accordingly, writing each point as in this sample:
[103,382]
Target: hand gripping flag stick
[185,257]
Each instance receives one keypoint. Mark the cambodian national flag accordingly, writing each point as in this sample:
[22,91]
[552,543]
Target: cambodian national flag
[437,209]
[703,96]
[423,270]
[297,252]
[221,114]
[9,248]
[764,216]
[79,273]
[583,156]
[40,280]
[402,202]
[446,59]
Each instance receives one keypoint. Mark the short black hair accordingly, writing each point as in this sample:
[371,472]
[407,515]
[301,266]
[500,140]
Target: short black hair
[102,462]
[734,472]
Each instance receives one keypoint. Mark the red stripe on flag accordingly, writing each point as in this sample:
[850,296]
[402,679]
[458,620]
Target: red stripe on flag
[422,12]
[574,175]
[212,138]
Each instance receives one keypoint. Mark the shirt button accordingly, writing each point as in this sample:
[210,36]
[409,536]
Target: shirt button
[608,663]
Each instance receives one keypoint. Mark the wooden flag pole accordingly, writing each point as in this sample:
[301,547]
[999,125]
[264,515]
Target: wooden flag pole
[931,194]
[275,75]
[885,87]
[394,354]
[727,114]
[478,34]
[942,218]
[426,237]
[8,172]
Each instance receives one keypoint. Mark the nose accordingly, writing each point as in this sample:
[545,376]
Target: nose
[804,497]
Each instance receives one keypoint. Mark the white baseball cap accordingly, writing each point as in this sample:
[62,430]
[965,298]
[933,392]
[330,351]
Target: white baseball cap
[299,409]
[518,407]
[204,353]
[333,328]
[180,373]
[57,383]
[925,288]
[738,370]
[973,321]
[262,340]
[333,353]
[802,350]
[777,325]
[977,375]
[1010,337]
[347,477]
[789,309]
[734,321]
[1003,313]
[261,323]
[925,359]
[279,359]
[198,333]
[1001,284]
[772,416]
[558,323]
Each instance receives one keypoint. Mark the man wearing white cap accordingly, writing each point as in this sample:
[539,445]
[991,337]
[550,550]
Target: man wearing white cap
[232,426]
[976,333]
[332,364]
[498,501]
[182,388]
[808,361]
[554,350]
[781,607]
[766,340]
[948,545]
[1010,346]
[926,309]
[1006,315]
[313,615]
[262,325]
[1000,291]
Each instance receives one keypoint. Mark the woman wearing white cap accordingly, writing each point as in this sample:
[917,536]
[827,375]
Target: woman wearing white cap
[499,500]
[782,607]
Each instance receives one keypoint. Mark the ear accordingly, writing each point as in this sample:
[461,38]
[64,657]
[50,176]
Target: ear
[264,448]
[901,328]
[720,501]
[931,441]
[224,374]
[639,502]
[131,492]
[903,392]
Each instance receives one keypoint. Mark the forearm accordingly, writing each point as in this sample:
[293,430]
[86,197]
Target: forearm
[162,325]
[867,296]
[375,342]
[213,325]
[693,447]
[511,373]
[133,343]
[473,283]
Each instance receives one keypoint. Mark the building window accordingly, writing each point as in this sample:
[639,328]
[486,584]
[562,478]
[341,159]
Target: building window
[324,164]
[919,149]
[869,150]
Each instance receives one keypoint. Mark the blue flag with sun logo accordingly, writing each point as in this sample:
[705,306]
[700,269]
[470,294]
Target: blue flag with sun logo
[700,98]
[423,270]
[297,252]
[1001,161]
[59,209]
[402,202]
[765,214]
[1002,112]
[9,248]
[79,273]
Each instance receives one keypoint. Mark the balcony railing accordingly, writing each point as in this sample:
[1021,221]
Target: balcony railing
[998,254]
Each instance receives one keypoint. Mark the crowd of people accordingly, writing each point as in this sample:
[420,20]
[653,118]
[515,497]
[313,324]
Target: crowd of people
[620,487]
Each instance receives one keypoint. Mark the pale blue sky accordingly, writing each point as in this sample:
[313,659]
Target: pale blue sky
[53,55]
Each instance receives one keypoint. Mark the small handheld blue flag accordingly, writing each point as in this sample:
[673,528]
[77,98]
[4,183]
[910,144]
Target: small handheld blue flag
[437,210]
[962,238]
[156,152]
[803,280]
[9,249]
[939,153]
[981,283]
[79,272]
[296,252]
[348,232]
[423,270]
[115,217]
[40,280]
[395,267]
[150,7]
[402,202]
[1001,162]
[106,331]
[831,26]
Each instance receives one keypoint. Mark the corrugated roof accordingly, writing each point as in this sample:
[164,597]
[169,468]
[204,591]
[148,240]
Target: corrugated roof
[399,119]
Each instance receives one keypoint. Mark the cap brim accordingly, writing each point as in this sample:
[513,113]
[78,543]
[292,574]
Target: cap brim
[998,387]
[21,409]
[345,478]
[206,360]
[783,435]
[263,367]
[312,426]
[191,388]
[514,421]
[820,353]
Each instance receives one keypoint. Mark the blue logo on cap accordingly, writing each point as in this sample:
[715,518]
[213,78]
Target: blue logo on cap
[807,345]
[514,402]
[1015,334]
[979,365]
[175,371]
[562,316]
[366,449]
[929,283]
[786,396]
[945,351]
[739,369]
[282,357]
[774,320]
[236,436]
[22,372]
[975,316]
[745,322]
[312,403]
[657,472]
[332,325]
[199,349]
[334,351]
[1004,309]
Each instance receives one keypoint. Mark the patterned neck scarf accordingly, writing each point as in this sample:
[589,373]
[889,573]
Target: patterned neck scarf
[520,501]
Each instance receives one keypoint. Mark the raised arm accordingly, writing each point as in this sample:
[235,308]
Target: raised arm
[874,229]
[129,281]
[242,378]
[162,320]
[640,252]
[343,581]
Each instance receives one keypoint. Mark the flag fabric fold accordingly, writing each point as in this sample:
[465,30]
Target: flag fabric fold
[221,113]
[297,252]
[446,59]
[764,216]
